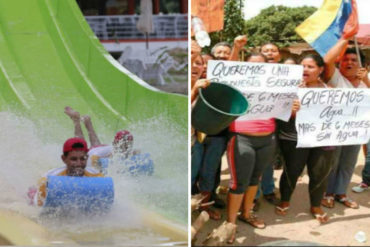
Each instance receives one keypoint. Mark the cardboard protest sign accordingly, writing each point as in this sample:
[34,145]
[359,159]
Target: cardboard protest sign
[269,88]
[333,117]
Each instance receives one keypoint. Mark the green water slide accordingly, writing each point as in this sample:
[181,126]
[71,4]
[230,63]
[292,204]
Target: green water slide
[50,58]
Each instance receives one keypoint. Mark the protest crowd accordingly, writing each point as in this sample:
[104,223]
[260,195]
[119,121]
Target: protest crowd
[309,114]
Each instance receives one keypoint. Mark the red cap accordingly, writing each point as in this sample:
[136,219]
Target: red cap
[68,145]
[123,135]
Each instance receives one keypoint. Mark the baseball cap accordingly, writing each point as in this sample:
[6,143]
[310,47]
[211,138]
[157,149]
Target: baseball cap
[70,143]
[123,135]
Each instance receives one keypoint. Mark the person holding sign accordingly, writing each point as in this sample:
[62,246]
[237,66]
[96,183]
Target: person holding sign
[198,75]
[249,151]
[196,72]
[349,75]
[318,159]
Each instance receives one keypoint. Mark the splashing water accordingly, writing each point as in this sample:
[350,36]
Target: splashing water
[166,190]
[26,157]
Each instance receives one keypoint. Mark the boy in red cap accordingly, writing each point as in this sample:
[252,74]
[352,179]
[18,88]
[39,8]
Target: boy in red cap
[74,157]
[122,144]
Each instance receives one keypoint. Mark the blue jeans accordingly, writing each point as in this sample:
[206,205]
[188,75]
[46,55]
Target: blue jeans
[197,151]
[214,147]
[267,183]
[366,170]
[342,170]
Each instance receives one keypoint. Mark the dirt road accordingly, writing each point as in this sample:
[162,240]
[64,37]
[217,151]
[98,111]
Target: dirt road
[299,225]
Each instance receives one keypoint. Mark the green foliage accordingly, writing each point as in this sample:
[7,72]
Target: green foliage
[276,24]
[233,23]
[170,6]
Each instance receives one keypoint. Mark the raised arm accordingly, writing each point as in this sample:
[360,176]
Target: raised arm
[239,42]
[332,56]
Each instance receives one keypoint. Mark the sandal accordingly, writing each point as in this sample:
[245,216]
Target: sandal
[322,218]
[346,201]
[320,215]
[205,206]
[213,214]
[253,221]
[282,211]
[328,201]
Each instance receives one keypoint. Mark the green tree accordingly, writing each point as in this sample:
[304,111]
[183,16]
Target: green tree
[276,24]
[233,23]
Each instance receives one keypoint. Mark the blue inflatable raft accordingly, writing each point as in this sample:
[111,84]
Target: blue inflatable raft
[139,164]
[87,194]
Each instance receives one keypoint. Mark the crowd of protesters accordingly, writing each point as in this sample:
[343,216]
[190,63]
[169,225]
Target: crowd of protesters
[252,147]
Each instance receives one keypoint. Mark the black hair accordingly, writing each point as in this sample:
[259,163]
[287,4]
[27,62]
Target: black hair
[219,44]
[208,54]
[317,58]
[290,58]
[269,43]
[255,54]
[352,50]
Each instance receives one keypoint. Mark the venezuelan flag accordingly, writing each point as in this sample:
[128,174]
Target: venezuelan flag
[333,20]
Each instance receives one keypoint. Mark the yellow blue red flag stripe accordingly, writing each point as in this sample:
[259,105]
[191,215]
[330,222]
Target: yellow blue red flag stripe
[333,20]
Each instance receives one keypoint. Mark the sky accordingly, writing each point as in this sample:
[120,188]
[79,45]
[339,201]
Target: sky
[257,5]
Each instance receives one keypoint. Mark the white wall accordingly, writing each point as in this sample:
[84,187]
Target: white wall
[141,45]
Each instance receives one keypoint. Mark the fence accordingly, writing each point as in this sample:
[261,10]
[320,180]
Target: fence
[123,27]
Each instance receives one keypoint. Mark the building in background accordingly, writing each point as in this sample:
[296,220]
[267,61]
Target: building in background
[159,57]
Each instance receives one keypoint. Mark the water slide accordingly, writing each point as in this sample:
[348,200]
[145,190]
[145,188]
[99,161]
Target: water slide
[49,59]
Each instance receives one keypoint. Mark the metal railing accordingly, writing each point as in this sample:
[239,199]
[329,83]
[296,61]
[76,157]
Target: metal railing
[113,27]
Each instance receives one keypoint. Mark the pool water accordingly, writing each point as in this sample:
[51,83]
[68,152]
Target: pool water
[26,157]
